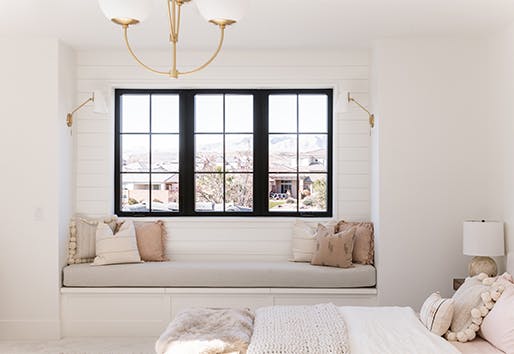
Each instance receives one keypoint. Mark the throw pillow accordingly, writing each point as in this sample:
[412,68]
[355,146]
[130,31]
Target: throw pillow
[334,250]
[81,246]
[363,244]
[304,239]
[116,248]
[498,326]
[472,303]
[436,314]
[151,238]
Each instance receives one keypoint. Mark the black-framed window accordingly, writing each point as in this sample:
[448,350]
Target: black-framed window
[223,152]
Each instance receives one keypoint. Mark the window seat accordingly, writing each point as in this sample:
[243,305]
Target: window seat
[218,274]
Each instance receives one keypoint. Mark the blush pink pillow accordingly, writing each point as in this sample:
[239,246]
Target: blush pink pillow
[151,239]
[498,326]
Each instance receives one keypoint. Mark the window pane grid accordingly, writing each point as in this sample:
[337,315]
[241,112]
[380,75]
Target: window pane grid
[228,165]
[236,169]
[157,188]
[310,155]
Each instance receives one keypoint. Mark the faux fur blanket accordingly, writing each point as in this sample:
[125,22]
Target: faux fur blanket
[318,329]
[207,331]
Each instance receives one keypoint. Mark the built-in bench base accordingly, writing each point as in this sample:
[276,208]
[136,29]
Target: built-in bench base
[112,312]
[230,274]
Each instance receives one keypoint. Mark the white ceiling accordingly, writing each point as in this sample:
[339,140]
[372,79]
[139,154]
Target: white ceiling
[288,24]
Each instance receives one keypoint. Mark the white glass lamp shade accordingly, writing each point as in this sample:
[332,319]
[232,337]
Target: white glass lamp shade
[138,10]
[342,104]
[222,9]
[100,102]
[483,238]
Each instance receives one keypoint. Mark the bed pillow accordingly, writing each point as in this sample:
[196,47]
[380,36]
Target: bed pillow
[151,240]
[116,248]
[82,241]
[498,326]
[304,239]
[363,244]
[436,314]
[472,303]
[334,250]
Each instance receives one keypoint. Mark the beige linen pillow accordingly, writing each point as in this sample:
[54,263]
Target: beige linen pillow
[304,239]
[436,314]
[334,250]
[116,248]
[151,238]
[81,245]
[472,303]
[363,244]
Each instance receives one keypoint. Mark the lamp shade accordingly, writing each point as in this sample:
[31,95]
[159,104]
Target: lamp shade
[127,9]
[342,103]
[483,238]
[100,102]
[222,9]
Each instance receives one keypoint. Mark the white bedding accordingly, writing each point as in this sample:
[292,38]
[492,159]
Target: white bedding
[391,330]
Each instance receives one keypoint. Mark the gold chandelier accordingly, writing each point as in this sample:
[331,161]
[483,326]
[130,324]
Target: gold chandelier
[126,13]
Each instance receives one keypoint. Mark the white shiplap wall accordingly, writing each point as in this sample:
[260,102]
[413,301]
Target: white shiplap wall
[226,238]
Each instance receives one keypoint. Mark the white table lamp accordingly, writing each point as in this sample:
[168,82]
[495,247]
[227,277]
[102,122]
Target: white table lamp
[483,240]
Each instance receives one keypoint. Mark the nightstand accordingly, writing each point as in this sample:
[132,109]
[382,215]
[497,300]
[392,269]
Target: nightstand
[457,282]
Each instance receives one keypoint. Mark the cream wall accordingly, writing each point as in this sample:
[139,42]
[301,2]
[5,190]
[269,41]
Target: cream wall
[36,186]
[434,161]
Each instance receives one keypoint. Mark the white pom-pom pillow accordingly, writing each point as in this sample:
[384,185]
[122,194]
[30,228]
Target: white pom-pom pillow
[436,314]
[82,240]
[473,301]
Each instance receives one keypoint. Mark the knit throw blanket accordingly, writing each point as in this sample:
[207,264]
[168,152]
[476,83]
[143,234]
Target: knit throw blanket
[318,329]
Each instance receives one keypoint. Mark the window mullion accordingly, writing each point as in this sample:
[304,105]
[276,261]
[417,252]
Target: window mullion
[117,152]
[330,152]
[187,176]
[260,153]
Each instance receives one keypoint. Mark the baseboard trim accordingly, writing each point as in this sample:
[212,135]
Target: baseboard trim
[30,329]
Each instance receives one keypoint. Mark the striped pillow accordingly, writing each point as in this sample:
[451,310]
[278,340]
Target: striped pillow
[116,248]
[437,313]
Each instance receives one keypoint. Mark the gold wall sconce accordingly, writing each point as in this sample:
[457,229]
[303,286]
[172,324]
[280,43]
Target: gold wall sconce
[344,101]
[100,106]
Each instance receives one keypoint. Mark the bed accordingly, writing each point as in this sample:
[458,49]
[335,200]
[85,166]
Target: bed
[350,330]
[328,329]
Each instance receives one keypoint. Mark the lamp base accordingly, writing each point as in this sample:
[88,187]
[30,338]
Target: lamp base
[485,265]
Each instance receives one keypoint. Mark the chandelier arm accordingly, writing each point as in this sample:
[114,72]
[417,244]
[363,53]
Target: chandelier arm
[125,36]
[220,44]
[177,29]
[171,17]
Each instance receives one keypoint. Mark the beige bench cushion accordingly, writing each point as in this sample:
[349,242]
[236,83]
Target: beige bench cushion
[219,274]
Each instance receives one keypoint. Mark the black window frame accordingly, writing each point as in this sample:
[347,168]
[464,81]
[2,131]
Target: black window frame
[187,158]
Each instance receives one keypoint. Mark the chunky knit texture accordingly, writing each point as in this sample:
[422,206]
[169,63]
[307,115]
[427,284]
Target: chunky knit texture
[318,329]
